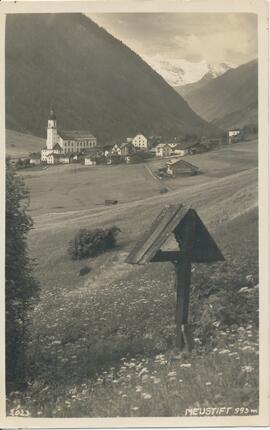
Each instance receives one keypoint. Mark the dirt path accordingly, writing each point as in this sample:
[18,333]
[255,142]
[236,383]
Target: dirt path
[157,179]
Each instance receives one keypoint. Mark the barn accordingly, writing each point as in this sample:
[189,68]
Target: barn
[181,167]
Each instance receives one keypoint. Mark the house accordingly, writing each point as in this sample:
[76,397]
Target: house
[64,158]
[90,161]
[140,142]
[123,150]
[179,166]
[116,149]
[234,135]
[53,158]
[35,159]
[163,150]
[56,149]
[126,149]
[63,142]
[182,148]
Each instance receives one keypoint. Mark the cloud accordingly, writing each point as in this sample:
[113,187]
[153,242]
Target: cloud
[229,38]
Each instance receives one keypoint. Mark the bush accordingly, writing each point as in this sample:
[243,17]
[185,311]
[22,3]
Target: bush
[163,190]
[84,270]
[90,243]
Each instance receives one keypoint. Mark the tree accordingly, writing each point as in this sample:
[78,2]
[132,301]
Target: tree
[21,288]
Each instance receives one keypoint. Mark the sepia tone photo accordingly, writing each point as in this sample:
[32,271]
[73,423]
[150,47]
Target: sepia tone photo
[132,224]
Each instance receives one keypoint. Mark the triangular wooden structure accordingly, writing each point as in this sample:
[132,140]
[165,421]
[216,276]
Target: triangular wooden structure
[174,219]
[181,162]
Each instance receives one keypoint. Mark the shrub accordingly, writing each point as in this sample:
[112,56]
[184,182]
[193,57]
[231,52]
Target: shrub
[21,288]
[90,243]
[163,190]
[84,270]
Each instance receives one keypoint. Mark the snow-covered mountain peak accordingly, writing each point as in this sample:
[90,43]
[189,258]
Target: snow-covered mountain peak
[181,72]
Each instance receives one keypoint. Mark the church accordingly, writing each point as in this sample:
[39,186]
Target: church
[65,142]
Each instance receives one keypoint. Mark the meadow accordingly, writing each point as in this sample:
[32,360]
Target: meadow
[112,330]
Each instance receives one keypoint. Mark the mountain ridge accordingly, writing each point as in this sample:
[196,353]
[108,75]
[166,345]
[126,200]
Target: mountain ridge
[93,80]
[233,93]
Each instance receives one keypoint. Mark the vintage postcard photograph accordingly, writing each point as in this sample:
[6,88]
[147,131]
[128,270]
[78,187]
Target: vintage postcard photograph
[135,246]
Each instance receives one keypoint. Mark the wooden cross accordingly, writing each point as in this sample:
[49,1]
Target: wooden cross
[195,245]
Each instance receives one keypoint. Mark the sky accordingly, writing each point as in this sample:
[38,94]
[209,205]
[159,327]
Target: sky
[194,37]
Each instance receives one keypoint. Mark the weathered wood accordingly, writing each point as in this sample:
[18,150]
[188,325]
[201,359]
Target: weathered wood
[171,219]
[158,233]
[185,239]
[183,278]
[195,245]
[166,256]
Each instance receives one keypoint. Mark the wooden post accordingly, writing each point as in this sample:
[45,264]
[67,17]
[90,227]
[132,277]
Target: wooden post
[185,239]
[183,278]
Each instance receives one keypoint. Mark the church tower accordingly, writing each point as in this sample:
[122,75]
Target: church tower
[52,136]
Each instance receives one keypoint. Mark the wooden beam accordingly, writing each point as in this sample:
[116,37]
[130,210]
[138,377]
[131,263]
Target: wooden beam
[166,256]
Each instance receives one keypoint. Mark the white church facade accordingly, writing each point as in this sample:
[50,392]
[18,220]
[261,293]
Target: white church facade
[65,142]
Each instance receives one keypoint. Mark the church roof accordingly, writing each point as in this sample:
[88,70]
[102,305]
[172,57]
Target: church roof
[76,135]
[57,147]
[52,114]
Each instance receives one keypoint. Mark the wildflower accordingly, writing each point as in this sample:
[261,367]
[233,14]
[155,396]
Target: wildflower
[243,290]
[247,369]
[138,389]
[216,324]
[146,396]
[245,348]
[231,354]
[249,278]
[135,408]
[124,396]
[180,380]
[185,365]
[144,378]
[172,374]
[208,383]
[224,351]
[143,370]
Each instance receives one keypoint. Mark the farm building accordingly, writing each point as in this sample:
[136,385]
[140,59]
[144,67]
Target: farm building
[123,150]
[234,135]
[179,166]
[64,142]
[163,150]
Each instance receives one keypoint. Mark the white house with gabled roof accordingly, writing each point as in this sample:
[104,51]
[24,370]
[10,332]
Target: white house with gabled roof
[140,141]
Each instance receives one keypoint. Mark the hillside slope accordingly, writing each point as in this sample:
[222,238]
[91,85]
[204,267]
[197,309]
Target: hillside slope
[229,100]
[212,73]
[20,144]
[93,80]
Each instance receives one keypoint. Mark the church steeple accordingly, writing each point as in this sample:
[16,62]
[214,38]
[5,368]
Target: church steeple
[51,129]
[52,114]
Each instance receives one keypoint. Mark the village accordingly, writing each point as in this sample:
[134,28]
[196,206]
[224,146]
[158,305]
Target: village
[66,147]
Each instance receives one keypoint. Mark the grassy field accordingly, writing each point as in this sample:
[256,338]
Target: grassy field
[21,145]
[112,330]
